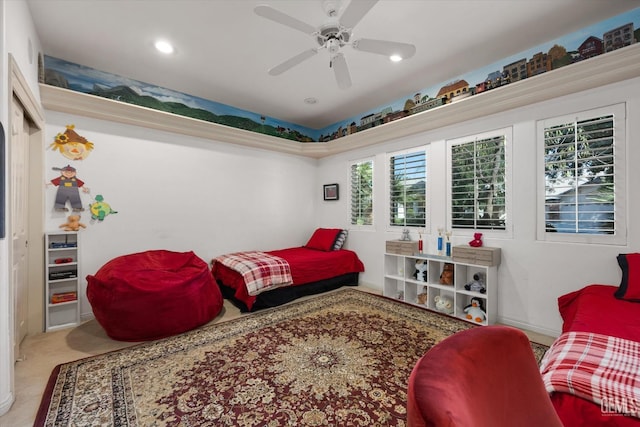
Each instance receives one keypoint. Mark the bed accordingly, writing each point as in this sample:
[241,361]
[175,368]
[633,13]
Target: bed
[601,327]
[321,265]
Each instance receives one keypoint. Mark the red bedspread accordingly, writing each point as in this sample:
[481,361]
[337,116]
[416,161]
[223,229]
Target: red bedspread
[595,309]
[307,266]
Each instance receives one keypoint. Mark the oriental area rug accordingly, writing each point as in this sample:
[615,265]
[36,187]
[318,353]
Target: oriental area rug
[338,359]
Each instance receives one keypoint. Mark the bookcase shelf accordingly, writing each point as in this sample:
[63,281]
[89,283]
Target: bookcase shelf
[401,283]
[62,308]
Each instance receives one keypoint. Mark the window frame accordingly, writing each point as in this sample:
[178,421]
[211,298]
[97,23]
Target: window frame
[350,193]
[507,232]
[619,237]
[427,212]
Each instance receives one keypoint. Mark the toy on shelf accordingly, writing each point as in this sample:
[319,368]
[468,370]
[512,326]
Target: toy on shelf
[421,271]
[477,240]
[477,285]
[444,304]
[446,277]
[64,297]
[422,298]
[405,235]
[475,310]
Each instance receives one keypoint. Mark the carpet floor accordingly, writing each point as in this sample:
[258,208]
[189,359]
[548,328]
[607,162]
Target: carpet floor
[336,360]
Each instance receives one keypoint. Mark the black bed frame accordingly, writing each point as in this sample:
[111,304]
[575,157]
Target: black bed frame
[279,296]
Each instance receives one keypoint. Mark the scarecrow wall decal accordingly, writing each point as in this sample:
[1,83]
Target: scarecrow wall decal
[71,145]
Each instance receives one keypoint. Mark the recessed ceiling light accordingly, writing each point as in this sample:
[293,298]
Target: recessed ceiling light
[164,46]
[310,101]
[395,58]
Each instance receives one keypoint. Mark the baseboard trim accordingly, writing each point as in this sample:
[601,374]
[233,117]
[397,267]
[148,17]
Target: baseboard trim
[6,404]
[529,327]
[86,316]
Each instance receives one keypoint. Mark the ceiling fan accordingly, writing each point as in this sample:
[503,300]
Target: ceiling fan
[334,35]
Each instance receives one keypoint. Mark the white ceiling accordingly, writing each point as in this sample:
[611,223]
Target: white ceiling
[224,50]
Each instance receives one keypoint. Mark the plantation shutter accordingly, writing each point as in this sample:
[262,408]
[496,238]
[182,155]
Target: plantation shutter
[361,178]
[407,194]
[478,190]
[579,176]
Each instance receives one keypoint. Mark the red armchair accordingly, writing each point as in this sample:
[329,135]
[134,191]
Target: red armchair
[482,377]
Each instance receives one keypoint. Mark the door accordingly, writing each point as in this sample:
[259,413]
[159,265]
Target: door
[19,185]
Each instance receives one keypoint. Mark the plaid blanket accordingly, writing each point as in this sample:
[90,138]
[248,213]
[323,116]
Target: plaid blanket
[599,368]
[260,271]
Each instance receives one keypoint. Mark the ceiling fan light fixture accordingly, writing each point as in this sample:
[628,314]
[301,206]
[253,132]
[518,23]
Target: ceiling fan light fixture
[333,45]
[395,58]
[164,47]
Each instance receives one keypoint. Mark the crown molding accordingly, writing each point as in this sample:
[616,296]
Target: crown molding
[82,104]
[612,67]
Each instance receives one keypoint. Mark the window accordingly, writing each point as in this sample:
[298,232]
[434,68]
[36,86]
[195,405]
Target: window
[478,186]
[361,188]
[583,175]
[408,189]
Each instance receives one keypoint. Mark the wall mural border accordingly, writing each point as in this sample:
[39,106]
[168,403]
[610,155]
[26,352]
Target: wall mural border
[601,38]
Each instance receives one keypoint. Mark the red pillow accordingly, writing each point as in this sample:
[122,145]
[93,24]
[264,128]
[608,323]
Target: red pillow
[323,239]
[629,289]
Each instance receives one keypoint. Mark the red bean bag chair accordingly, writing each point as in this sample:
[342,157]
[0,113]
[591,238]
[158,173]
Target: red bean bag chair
[153,294]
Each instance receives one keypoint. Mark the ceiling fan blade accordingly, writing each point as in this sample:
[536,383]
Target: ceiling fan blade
[355,11]
[284,19]
[291,62]
[341,71]
[383,47]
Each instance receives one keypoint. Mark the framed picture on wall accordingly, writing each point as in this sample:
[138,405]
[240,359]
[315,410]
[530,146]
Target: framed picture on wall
[331,191]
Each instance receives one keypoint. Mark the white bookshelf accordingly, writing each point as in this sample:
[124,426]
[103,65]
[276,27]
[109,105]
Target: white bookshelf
[62,307]
[400,283]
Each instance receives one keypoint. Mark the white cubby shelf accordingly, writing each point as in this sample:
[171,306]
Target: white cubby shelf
[400,283]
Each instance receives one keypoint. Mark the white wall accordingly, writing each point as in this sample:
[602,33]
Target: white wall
[532,274]
[181,193]
[22,41]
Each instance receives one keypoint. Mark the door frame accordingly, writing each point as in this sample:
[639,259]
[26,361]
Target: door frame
[19,88]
